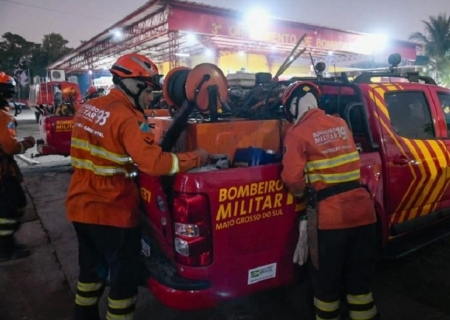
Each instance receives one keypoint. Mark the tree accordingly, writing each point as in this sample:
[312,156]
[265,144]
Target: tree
[53,47]
[436,42]
[15,53]
[22,59]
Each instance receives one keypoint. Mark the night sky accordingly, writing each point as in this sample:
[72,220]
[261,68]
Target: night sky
[79,20]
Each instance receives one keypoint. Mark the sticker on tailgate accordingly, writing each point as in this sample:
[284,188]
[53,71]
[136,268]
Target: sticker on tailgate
[262,273]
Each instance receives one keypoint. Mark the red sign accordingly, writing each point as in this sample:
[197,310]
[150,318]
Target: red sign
[282,32]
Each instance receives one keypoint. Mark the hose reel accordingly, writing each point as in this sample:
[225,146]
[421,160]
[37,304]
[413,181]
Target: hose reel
[205,86]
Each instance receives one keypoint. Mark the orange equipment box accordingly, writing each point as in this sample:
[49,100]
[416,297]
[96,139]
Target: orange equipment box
[224,137]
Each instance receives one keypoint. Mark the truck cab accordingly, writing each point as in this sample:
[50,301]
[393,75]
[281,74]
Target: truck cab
[224,231]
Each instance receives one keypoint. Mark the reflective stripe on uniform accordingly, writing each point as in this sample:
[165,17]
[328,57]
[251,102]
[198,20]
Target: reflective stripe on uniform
[101,170]
[8,221]
[100,152]
[122,304]
[332,162]
[86,301]
[360,298]
[320,318]
[88,287]
[8,226]
[88,293]
[363,315]
[121,309]
[128,316]
[334,177]
[175,164]
[326,306]
[361,306]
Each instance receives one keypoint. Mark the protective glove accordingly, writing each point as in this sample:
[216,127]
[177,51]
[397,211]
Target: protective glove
[28,142]
[301,250]
[203,156]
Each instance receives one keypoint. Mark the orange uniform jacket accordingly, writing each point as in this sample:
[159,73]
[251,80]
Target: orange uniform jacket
[321,148]
[9,144]
[110,140]
[8,140]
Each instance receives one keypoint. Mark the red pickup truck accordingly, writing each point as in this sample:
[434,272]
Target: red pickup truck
[224,232]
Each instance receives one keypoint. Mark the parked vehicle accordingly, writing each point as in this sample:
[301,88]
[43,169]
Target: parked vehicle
[55,124]
[230,229]
[43,94]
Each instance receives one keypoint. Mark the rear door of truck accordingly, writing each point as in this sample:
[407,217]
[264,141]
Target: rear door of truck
[415,158]
[441,98]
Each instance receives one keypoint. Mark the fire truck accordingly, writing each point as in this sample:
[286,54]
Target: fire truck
[53,103]
[229,229]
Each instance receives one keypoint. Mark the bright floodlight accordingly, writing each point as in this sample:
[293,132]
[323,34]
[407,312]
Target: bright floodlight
[90,71]
[371,44]
[257,16]
[118,34]
[208,52]
[191,38]
[257,21]
[380,41]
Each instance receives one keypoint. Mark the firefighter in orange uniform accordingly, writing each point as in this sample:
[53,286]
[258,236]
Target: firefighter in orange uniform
[321,162]
[91,93]
[12,197]
[111,139]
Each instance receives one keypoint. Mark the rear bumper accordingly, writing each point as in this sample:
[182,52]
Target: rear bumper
[184,300]
[174,291]
[45,149]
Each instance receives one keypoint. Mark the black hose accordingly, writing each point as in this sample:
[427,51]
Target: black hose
[176,85]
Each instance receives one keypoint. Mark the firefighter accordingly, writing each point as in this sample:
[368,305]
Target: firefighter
[67,106]
[111,138]
[12,196]
[91,92]
[321,162]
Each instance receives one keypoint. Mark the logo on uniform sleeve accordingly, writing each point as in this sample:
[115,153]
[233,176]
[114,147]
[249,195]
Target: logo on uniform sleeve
[11,125]
[144,126]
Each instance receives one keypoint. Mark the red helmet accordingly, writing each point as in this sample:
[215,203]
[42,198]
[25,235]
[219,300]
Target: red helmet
[297,89]
[91,90]
[7,86]
[138,67]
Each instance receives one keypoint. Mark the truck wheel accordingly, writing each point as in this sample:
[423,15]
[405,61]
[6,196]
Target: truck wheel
[37,115]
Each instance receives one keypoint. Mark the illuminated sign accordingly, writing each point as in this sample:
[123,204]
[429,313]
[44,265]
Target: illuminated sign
[285,33]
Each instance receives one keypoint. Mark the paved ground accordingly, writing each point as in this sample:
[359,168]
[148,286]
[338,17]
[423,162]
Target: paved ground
[42,285]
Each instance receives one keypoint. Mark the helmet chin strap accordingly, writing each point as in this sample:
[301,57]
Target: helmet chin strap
[135,96]
[294,114]
[3,104]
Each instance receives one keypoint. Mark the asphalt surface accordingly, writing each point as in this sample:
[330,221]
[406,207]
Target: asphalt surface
[42,286]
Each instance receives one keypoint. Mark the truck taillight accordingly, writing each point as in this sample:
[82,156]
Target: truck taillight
[48,131]
[192,228]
